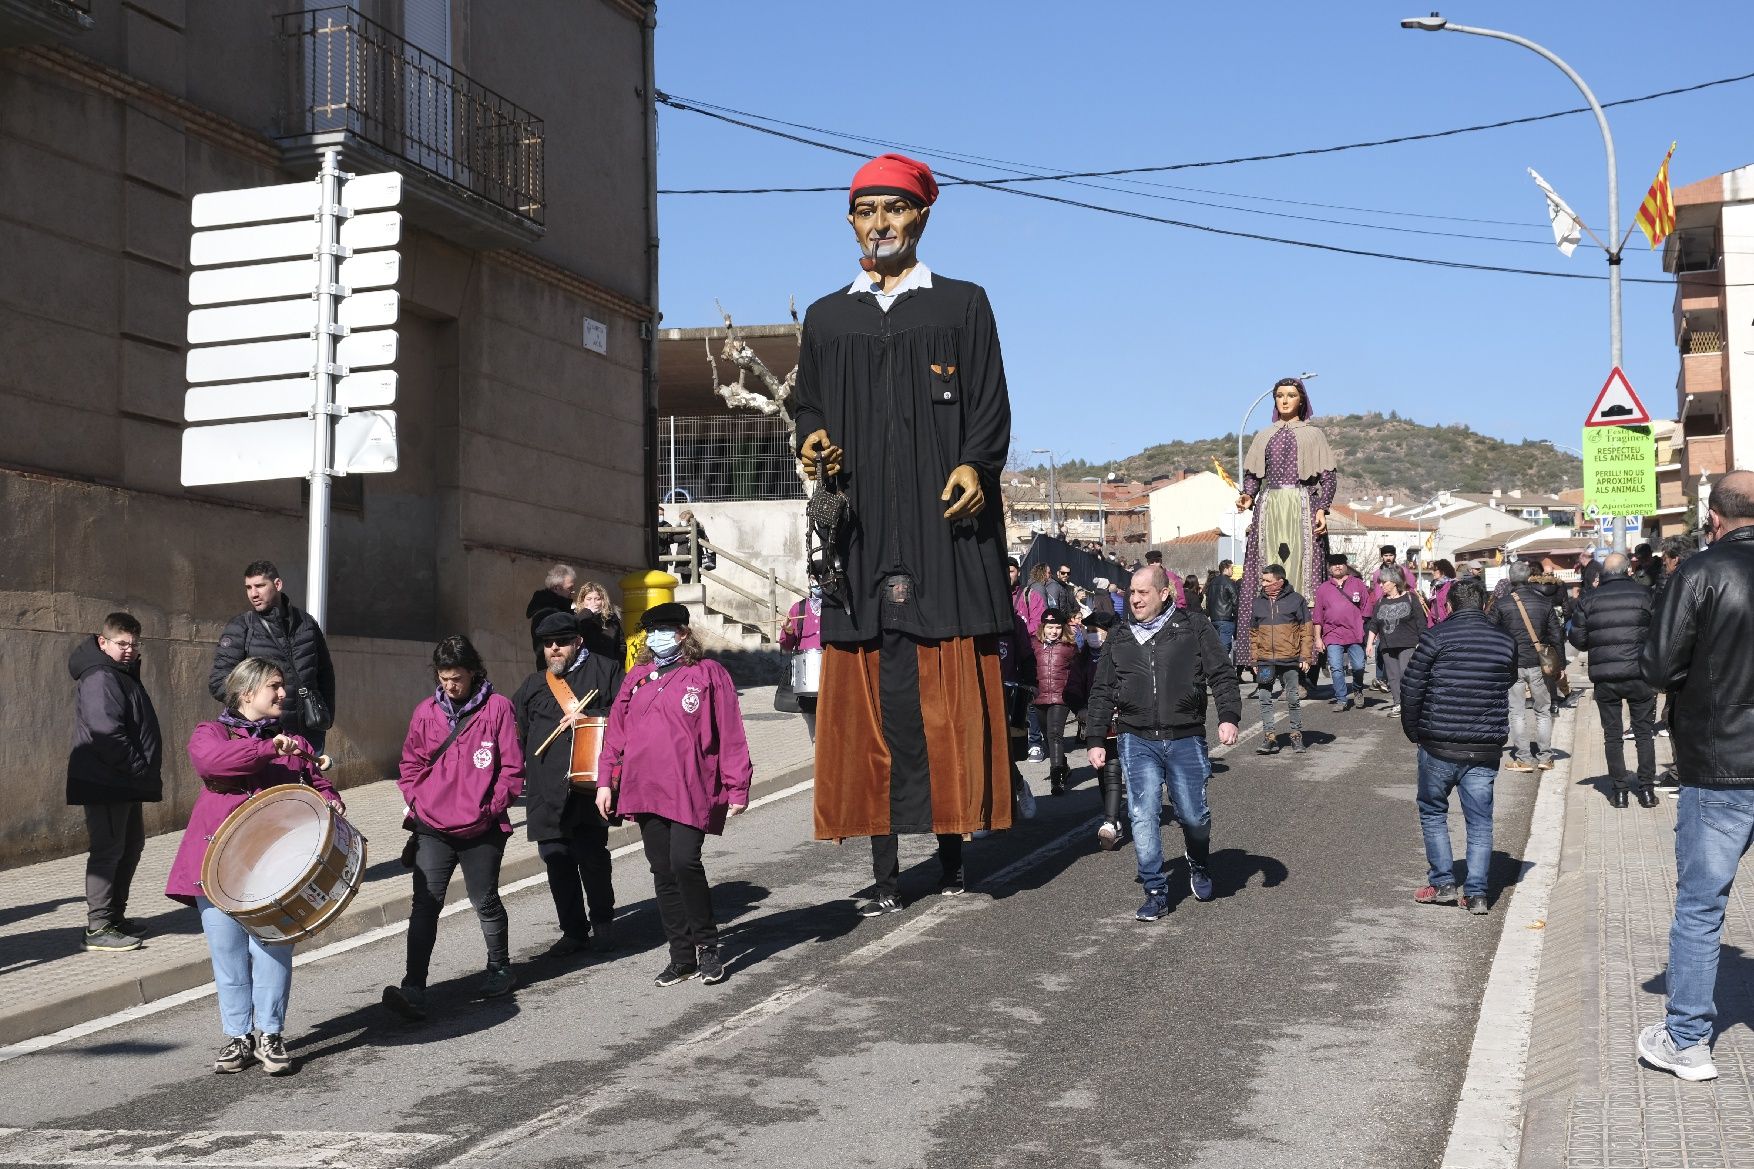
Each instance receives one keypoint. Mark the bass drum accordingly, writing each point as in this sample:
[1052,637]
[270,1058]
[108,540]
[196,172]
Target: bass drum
[807,673]
[284,864]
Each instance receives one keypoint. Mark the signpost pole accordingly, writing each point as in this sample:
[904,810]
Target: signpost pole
[323,405]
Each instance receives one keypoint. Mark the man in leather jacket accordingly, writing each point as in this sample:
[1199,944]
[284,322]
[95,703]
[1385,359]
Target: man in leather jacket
[1221,603]
[1700,634]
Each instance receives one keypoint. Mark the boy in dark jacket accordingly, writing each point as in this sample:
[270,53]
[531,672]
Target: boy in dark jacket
[112,769]
[1284,643]
[1455,706]
[1611,623]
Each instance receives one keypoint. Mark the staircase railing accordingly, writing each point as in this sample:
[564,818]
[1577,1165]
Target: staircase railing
[686,554]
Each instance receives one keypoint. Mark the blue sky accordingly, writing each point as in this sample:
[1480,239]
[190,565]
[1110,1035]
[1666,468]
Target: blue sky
[1118,334]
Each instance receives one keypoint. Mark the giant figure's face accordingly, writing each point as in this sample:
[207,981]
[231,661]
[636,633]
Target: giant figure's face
[888,227]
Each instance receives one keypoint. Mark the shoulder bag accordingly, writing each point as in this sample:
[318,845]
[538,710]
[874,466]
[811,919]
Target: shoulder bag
[1552,665]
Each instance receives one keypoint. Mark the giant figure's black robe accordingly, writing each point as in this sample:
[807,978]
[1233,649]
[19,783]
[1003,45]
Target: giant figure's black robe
[911,715]
[909,395]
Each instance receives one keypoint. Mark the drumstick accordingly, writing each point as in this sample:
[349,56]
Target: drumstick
[566,718]
[323,762]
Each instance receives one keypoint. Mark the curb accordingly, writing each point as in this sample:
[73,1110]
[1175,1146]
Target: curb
[383,903]
[1486,1131]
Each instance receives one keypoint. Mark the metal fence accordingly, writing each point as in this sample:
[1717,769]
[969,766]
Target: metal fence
[342,71]
[731,457]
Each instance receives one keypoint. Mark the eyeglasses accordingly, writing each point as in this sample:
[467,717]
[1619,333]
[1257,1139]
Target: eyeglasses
[551,642]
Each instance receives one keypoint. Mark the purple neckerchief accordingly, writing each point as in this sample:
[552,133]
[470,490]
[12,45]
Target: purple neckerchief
[452,711]
[261,728]
[1142,630]
[580,660]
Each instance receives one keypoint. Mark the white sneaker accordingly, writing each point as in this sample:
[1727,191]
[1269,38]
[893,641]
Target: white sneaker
[1657,1048]
[1108,837]
[1628,736]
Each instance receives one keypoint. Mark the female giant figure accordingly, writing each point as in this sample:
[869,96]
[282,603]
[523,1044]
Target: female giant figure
[1288,480]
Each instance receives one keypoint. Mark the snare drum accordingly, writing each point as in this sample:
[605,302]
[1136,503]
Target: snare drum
[807,673]
[587,749]
[284,864]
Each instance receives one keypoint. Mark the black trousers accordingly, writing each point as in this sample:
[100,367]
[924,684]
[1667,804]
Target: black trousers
[685,900]
[1053,729]
[580,876]
[1643,701]
[118,836]
[436,857]
[1114,785]
[886,860]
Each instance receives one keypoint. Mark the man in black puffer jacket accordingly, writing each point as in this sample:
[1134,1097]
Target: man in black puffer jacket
[1454,705]
[1543,619]
[1698,651]
[275,629]
[1611,623]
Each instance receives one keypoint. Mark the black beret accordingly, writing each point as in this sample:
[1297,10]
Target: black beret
[1054,615]
[669,613]
[1100,619]
[557,624]
[1336,559]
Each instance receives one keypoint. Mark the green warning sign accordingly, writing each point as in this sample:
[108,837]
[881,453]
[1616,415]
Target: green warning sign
[1620,470]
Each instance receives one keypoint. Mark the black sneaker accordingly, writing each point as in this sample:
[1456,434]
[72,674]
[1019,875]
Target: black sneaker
[407,1001]
[602,936]
[1476,904]
[950,885]
[236,1055]
[678,972]
[878,906]
[110,940]
[132,928]
[712,966]
[272,1052]
[1270,747]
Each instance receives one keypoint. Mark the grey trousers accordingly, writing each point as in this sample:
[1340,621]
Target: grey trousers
[1541,694]
[118,836]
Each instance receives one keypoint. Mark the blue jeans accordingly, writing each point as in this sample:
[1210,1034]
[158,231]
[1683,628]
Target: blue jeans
[1146,765]
[1713,827]
[1473,782]
[1226,634]
[254,979]
[1338,656]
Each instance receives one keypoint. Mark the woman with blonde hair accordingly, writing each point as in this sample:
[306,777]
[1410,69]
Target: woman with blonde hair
[237,755]
[593,598]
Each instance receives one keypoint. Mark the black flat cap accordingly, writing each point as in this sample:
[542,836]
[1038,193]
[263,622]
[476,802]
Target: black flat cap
[558,624]
[669,613]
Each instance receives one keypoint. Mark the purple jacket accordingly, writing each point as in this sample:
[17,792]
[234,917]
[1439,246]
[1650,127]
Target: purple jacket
[675,746]
[467,790]
[233,761]
[803,629]
[1440,600]
[1029,604]
[1340,609]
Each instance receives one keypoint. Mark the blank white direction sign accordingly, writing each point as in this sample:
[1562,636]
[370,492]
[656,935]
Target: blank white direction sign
[367,310]
[255,205]
[370,270]
[381,229]
[361,350]
[230,363]
[254,282]
[269,318]
[237,245]
[280,448]
[293,395]
[371,192]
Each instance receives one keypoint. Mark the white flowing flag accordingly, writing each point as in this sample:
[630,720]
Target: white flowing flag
[1567,227]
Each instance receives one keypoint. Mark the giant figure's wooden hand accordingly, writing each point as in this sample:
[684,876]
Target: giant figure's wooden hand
[1244,502]
[817,446]
[968,481]
[1321,522]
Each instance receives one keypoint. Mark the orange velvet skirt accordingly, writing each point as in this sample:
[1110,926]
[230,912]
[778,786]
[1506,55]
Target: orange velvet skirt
[911,737]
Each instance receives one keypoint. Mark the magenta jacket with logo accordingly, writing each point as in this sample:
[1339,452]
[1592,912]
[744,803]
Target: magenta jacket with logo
[675,746]
[231,760]
[467,790]
[1340,609]
[803,629]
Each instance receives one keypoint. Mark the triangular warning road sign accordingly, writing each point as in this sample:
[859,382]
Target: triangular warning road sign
[1617,405]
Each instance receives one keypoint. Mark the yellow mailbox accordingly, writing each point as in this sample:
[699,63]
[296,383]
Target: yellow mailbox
[640,592]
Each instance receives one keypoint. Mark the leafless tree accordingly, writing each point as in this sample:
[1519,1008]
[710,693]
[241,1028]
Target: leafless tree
[772,394]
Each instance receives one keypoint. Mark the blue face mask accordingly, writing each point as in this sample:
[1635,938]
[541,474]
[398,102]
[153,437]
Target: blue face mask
[665,644]
[816,592]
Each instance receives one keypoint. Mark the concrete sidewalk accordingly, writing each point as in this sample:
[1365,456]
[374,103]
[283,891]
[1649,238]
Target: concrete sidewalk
[48,982]
[1588,1102]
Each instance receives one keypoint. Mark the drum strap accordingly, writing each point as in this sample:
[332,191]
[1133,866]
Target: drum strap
[565,697]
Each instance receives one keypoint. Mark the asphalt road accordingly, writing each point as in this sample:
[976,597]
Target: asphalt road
[1311,1015]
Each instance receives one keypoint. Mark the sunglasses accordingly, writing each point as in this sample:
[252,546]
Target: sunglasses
[550,642]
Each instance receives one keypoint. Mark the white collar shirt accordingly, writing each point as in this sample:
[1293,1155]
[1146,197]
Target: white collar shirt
[919,276]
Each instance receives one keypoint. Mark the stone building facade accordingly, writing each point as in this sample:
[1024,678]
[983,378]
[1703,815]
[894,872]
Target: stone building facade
[526,138]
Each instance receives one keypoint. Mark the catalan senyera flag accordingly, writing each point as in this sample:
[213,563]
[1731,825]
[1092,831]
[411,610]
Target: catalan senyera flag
[1656,215]
[1222,473]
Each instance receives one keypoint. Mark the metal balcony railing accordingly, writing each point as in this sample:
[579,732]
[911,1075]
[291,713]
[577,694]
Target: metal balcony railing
[343,72]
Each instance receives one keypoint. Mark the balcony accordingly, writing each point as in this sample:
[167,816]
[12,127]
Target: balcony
[473,159]
[42,22]
[1702,373]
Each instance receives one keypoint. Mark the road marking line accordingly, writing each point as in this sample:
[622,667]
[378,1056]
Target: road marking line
[1486,1132]
[281,1150]
[197,993]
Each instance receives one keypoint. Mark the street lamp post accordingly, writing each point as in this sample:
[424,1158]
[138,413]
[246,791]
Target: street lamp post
[1053,492]
[1436,23]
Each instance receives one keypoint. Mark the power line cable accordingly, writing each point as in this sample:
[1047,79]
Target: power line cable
[707,107]
[1164,220]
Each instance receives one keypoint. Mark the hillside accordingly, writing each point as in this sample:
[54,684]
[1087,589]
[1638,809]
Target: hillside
[1379,454]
